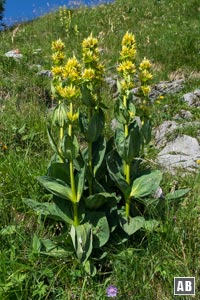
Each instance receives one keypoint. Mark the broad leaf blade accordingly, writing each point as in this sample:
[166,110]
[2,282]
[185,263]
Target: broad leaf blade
[114,167]
[82,240]
[96,125]
[51,210]
[98,153]
[70,147]
[97,200]
[53,143]
[131,225]
[100,228]
[80,180]
[146,184]
[57,187]
[177,194]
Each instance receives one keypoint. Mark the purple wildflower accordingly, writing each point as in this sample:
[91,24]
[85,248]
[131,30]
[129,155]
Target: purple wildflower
[111,291]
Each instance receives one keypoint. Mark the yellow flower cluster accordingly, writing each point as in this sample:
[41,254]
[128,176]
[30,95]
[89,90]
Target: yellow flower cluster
[57,71]
[145,76]
[69,92]
[58,49]
[72,70]
[127,68]
[126,85]
[65,15]
[72,117]
[58,57]
[146,89]
[58,45]
[69,74]
[88,74]
[93,69]
[90,43]
[145,64]
[128,47]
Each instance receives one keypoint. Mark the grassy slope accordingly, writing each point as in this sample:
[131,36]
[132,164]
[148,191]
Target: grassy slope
[167,32]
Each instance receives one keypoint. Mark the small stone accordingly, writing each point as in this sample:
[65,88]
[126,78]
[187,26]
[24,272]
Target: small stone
[197,92]
[112,83]
[182,153]
[46,73]
[14,54]
[183,114]
[192,98]
[162,131]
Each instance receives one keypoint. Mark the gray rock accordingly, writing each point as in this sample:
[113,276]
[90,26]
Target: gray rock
[192,98]
[112,83]
[46,73]
[182,153]
[162,88]
[166,87]
[183,115]
[162,131]
[14,54]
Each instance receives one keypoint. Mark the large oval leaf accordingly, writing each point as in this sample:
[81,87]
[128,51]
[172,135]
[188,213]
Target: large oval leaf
[80,180]
[114,165]
[146,184]
[70,147]
[98,153]
[51,210]
[82,240]
[56,187]
[97,200]
[131,225]
[100,228]
[96,125]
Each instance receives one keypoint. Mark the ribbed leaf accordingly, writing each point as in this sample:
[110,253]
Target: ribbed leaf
[70,147]
[146,184]
[56,187]
[100,228]
[131,225]
[114,167]
[96,125]
[82,240]
[53,211]
[80,180]
[98,153]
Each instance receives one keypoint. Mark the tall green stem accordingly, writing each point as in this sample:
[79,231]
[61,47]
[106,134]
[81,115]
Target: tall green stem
[72,179]
[61,134]
[90,154]
[127,207]
[126,165]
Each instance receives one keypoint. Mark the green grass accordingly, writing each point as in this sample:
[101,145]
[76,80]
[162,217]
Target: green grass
[167,32]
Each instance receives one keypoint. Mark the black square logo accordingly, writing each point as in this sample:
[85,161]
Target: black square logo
[184,285]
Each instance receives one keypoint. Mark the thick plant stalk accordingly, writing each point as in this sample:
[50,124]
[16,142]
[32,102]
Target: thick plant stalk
[72,179]
[90,153]
[126,165]
[127,207]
